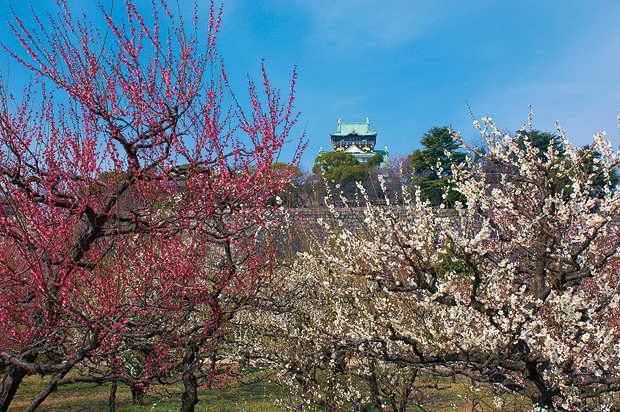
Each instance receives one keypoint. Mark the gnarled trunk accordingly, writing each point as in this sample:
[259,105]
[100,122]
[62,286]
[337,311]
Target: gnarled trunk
[189,398]
[112,398]
[138,392]
[10,383]
[9,386]
[536,387]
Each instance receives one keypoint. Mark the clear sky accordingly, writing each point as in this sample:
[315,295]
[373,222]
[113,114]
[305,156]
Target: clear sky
[410,65]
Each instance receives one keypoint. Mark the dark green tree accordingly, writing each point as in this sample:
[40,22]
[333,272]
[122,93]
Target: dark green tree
[294,170]
[589,162]
[432,181]
[544,140]
[293,194]
[339,167]
[541,141]
[375,161]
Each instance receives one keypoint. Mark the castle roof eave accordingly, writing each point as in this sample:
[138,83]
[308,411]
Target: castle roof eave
[353,134]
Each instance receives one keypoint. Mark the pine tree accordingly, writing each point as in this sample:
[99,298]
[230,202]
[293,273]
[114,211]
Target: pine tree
[432,167]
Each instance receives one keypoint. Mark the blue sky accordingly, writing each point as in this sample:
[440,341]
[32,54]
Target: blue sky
[411,65]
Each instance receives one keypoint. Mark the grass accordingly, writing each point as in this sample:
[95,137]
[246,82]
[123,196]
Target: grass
[435,394]
[86,397]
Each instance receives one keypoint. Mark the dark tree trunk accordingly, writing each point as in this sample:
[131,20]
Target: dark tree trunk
[190,395]
[51,386]
[373,385]
[406,390]
[10,383]
[137,394]
[112,398]
[9,386]
[535,384]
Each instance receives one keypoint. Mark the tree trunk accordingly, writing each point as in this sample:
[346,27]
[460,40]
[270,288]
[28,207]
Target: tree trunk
[112,398]
[9,386]
[406,390]
[137,394]
[13,378]
[51,386]
[190,395]
[538,392]
[373,386]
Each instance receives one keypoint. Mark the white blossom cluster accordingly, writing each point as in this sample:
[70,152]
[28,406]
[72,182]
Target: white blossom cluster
[517,286]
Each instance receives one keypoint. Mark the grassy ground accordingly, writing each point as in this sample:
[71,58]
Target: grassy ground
[434,395]
[84,397]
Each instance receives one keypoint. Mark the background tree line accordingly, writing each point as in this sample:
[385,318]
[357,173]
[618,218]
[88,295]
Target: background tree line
[428,168]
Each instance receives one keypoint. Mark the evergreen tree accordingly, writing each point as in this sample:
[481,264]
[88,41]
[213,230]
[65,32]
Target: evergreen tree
[375,161]
[541,141]
[591,158]
[590,164]
[339,167]
[433,181]
[293,194]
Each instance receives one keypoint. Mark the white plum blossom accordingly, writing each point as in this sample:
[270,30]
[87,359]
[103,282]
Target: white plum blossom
[517,286]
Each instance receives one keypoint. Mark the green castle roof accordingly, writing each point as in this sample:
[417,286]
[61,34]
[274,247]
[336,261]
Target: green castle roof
[360,129]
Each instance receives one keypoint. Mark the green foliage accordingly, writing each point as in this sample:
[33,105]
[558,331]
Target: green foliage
[590,159]
[293,193]
[541,141]
[375,161]
[112,178]
[295,171]
[433,181]
[591,164]
[339,167]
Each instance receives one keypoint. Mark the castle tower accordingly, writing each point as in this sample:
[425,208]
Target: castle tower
[357,139]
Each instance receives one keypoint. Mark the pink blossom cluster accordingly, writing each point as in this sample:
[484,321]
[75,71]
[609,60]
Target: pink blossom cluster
[131,195]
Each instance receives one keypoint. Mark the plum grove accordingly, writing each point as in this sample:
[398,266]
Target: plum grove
[140,233]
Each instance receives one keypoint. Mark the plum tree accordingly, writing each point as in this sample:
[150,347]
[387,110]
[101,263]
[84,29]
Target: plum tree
[116,264]
[517,287]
